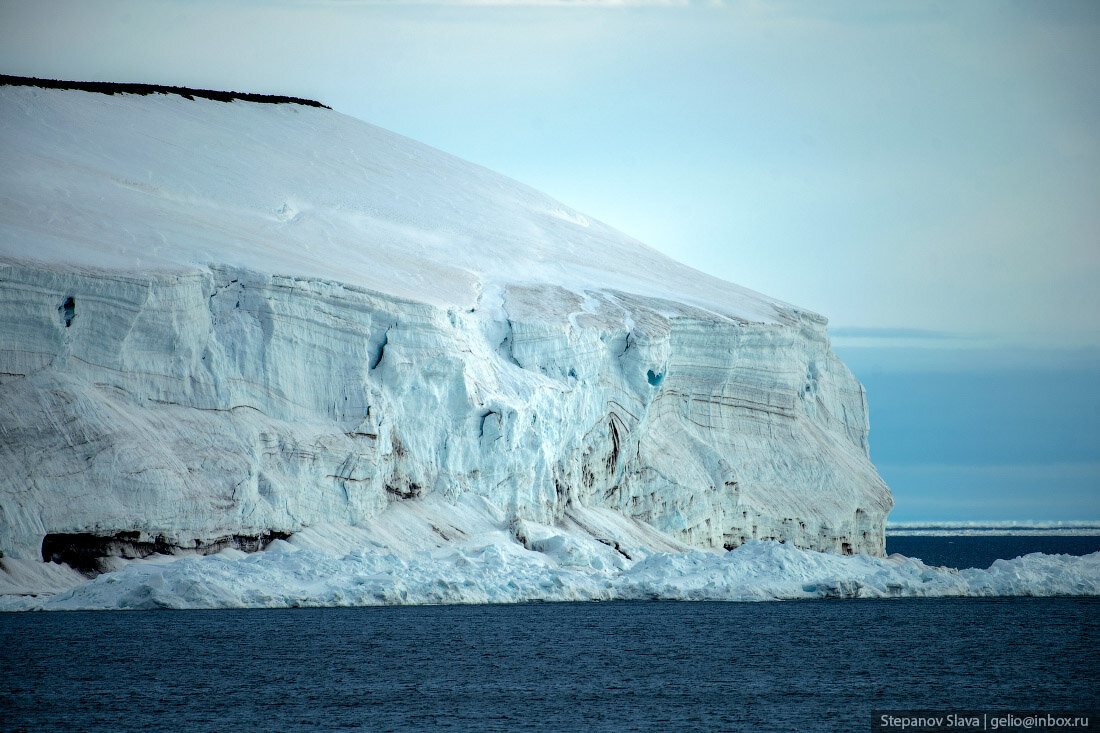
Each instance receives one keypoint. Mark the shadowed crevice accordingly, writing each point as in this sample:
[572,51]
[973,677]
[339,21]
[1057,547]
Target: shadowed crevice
[84,551]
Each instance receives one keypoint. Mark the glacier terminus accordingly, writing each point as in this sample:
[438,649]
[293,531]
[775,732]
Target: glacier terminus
[235,326]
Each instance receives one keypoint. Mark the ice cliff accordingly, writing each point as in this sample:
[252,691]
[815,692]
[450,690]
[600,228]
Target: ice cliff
[224,323]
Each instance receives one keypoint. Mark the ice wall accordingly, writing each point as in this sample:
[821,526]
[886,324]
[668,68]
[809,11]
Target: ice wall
[210,403]
[190,393]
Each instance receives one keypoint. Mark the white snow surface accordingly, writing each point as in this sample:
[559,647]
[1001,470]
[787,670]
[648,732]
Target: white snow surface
[220,320]
[143,183]
[481,561]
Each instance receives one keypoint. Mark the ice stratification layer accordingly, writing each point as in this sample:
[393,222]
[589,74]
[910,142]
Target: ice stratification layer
[223,322]
[318,568]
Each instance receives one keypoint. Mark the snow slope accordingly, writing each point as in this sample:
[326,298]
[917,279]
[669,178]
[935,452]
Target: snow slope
[138,184]
[220,321]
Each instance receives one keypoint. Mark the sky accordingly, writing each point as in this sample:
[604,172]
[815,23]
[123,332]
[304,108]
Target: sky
[925,174]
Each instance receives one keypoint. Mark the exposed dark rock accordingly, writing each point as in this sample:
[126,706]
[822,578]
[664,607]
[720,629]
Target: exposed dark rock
[84,551]
[104,87]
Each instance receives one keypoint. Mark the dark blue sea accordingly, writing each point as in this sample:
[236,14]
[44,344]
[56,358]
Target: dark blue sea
[974,551]
[653,666]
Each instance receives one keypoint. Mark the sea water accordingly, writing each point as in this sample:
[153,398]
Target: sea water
[979,551]
[791,665]
[821,665]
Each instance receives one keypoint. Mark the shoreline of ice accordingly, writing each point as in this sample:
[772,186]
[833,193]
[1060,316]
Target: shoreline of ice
[320,569]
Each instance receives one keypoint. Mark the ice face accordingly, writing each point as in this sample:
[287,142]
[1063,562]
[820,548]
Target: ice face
[230,402]
[227,320]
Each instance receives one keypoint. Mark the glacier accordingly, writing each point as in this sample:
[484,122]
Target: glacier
[233,326]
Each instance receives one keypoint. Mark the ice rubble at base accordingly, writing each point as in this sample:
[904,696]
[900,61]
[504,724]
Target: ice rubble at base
[486,559]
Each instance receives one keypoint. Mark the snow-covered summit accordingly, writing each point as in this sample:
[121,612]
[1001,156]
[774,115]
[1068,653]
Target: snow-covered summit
[223,325]
[140,183]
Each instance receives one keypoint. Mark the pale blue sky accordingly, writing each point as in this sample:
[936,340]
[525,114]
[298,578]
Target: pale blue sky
[926,174]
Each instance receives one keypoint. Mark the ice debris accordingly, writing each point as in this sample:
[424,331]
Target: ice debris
[500,570]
